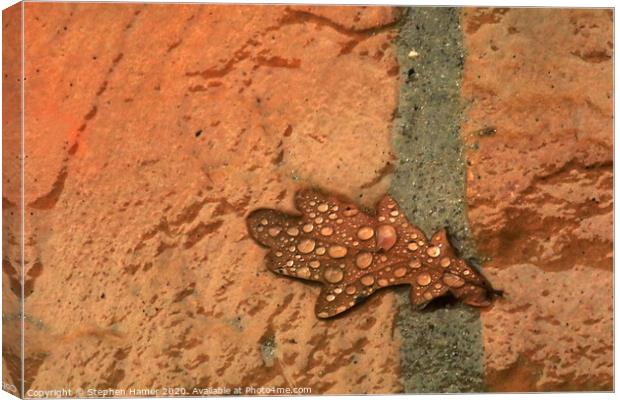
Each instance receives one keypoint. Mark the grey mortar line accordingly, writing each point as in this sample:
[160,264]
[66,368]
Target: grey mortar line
[441,350]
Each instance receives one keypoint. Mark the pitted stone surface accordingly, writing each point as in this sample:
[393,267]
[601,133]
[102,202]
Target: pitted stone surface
[539,190]
[152,130]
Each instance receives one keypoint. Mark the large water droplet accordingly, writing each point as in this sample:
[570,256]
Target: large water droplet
[365,233]
[293,231]
[337,251]
[322,207]
[305,246]
[423,279]
[363,260]
[367,280]
[433,251]
[327,231]
[386,237]
[333,275]
[400,272]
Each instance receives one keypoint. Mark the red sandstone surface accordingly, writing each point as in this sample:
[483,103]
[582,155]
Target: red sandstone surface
[11,215]
[539,190]
[149,139]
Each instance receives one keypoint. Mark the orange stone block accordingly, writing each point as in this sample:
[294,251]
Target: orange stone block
[151,131]
[540,194]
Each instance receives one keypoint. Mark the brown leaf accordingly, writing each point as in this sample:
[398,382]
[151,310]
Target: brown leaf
[354,253]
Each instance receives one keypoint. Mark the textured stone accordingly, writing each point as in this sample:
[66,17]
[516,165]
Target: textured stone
[552,330]
[153,131]
[539,188]
[11,204]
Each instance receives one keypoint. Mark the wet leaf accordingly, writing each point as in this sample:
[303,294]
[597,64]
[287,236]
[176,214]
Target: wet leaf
[355,252]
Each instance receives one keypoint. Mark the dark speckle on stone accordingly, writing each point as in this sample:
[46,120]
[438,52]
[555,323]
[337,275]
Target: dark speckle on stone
[410,75]
[268,348]
[488,131]
[198,133]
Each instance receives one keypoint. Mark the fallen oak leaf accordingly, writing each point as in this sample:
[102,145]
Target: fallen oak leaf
[355,253]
